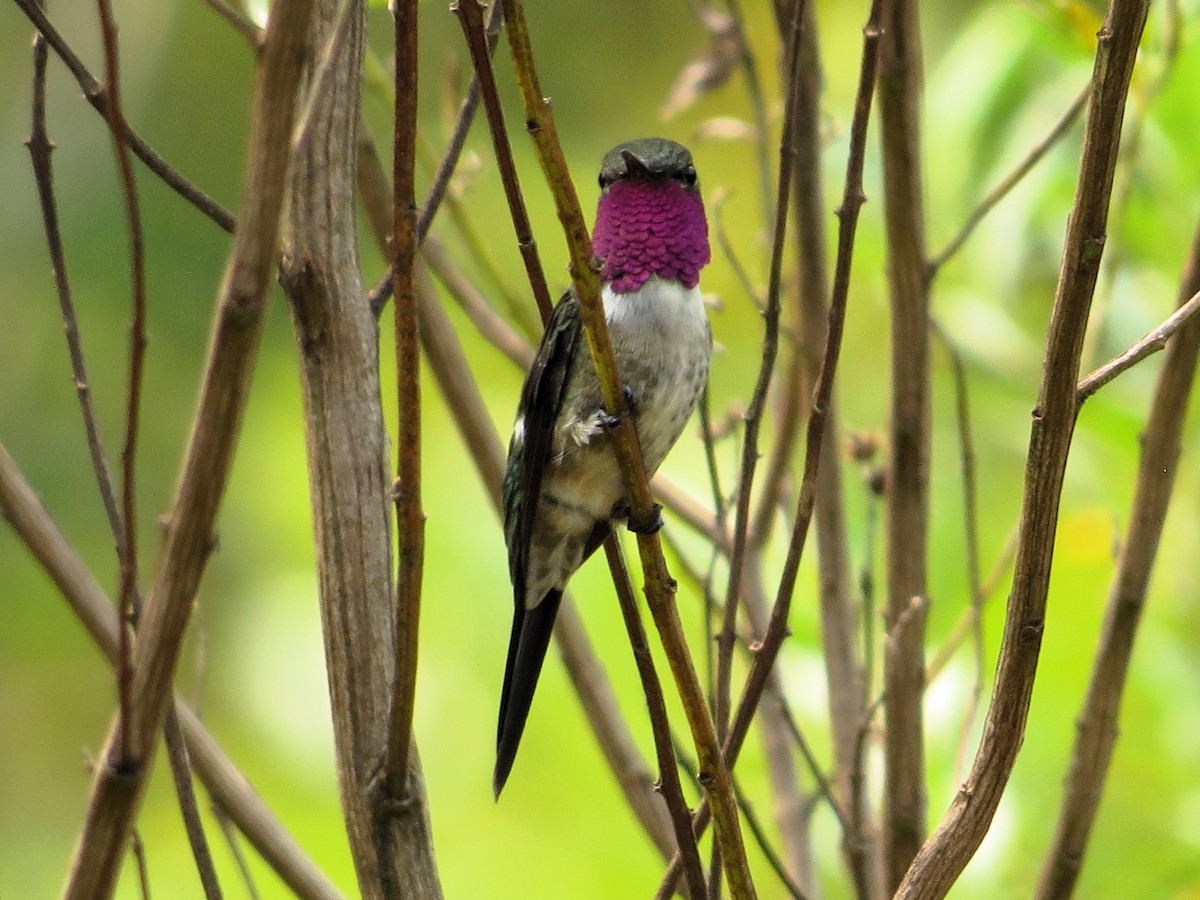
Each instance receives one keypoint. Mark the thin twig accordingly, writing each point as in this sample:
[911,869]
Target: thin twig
[138,849]
[23,510]
[471,19]
[758,107]
[948,850]
[658,583]
[235,850]
[40,146]
[672,790]
[491,325]
[137,363]
[852,200]
[406,490]
[758,400]
[1097,723]
[96,94]
[970,493]
[119,785]
[755,823]
[1148,344]
[439,189]
[1010,181]
[181,774]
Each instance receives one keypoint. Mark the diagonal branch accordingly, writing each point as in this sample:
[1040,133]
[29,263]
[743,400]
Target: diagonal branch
[953,843]
[1097,723]
[19,505]
[777,629]
[1147,345]
[659,586]
[121,778]
[97,95]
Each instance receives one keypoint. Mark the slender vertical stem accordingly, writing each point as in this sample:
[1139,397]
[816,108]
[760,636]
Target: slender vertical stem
[1097,722]
[669,785]
[947,851]
[406,490]
[758,400]
[137,360]
[900,92]
[777,629]
[471,19]
[659,585]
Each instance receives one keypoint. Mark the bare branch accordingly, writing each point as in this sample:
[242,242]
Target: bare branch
[900,92]
[387,819]
[471,20]
[1150,343]
[953,843]
[758,399]
[228,787]
[670,787]
[1097,723]
[241,310]
[540,124]
[96,94]
[777,629]
[1010,181]
[406,490]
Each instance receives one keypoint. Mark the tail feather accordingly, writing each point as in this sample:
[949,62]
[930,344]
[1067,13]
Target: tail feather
[526,651]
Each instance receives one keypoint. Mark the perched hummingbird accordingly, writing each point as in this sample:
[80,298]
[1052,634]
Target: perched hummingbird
[563,489]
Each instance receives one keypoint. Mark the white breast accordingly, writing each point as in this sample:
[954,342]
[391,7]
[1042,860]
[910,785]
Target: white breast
[663,344]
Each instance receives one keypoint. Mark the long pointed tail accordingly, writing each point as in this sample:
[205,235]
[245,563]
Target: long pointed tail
[526,651]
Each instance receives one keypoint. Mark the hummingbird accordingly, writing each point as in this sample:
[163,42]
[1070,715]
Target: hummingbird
[563,489]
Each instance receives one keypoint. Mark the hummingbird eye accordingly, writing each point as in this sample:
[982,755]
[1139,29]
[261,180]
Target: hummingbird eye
[688,176]
[603,181]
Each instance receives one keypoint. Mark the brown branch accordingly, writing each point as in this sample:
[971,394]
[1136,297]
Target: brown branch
[1147,345]
[137,362]
[1097,723]
[450,369]
[386,819]
[970,494]
[471,20]
[900,92]
[669,785]
[20,507]
[438,187]
[40,146]
[406,490]
[658,583]
[758,399]
[491,325]
[777,628]
[97,95]
[181,775]
[1010,181]
[953,843]
[806,317]
[121,779]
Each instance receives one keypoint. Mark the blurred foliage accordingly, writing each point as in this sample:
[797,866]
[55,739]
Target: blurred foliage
[999,75]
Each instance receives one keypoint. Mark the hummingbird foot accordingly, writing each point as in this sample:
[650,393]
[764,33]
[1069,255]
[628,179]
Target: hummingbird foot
[649,524]
[608,420]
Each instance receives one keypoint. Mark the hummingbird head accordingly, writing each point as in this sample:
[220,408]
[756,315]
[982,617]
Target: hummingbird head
[650,220]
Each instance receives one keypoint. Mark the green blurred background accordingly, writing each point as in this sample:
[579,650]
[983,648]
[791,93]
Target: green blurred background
[999,75]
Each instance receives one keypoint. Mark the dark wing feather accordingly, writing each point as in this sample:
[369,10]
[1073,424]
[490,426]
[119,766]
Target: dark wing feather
[541,400]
